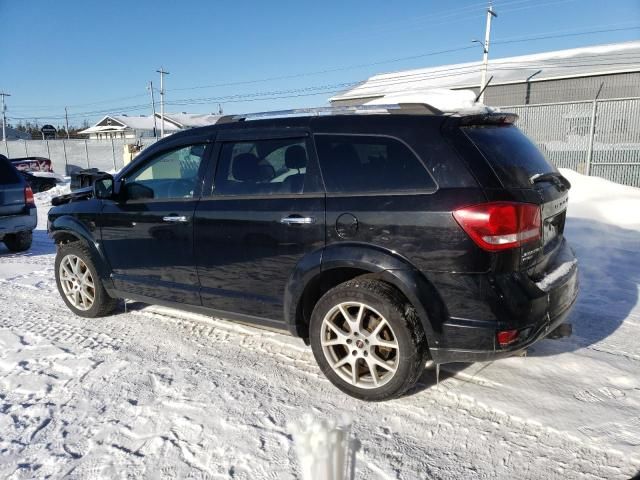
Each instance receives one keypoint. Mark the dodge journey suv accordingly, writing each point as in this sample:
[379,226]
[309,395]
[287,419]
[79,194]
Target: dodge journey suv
[382,239]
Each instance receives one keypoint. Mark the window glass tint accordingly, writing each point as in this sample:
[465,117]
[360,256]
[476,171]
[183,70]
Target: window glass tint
[261,167]
[170,175]
[8,174]
[514,157]
[353,164]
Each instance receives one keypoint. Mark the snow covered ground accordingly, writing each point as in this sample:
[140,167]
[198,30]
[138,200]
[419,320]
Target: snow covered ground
[157,393]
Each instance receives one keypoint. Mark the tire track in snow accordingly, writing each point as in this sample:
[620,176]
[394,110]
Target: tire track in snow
[438,420]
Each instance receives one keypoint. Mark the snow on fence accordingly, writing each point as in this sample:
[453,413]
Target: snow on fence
[68,155]
[597,137]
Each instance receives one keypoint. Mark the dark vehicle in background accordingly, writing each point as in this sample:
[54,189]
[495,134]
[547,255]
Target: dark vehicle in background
[32,164]
[18,215]
[38,183]
[382,239]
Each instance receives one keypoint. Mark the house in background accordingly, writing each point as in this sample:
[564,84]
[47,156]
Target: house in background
[145,126]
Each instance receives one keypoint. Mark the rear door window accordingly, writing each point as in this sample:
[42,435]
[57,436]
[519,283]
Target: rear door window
[513,157]
[368,164]
[8,174]
[262,167]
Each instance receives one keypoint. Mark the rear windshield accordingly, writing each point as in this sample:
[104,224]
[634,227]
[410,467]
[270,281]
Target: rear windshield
[514,157]
[8,174]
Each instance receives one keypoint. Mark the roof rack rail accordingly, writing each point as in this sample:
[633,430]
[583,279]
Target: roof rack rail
[416,108]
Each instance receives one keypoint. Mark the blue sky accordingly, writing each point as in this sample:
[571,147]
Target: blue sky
[96,56]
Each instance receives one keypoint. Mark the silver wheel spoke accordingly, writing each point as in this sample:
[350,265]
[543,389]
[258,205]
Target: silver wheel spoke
[333,342]
[342,362]
[354,373]
[373,358]
[372,371]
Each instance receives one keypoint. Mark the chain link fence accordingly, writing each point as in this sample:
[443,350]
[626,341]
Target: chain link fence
[596,137]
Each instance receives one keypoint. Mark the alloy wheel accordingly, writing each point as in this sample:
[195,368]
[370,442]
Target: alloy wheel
[77,282]
[359,345]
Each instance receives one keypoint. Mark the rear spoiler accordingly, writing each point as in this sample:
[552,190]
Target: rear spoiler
[488,119]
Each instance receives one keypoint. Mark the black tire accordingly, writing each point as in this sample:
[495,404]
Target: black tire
[412,351]
[19,242]
[103,304]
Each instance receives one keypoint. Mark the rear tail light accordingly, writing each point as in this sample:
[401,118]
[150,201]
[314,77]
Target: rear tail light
[28,196]
[507,337]
[499,226]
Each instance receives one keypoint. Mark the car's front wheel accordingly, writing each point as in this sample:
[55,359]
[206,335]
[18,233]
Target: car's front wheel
[79,284]
[368,340]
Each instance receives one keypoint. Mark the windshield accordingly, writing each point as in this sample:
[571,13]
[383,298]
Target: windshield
[514,157]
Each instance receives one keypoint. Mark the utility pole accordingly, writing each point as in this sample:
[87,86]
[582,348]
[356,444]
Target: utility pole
[66,121]
[4,116]
[153,109]
[162,74]
[485,49]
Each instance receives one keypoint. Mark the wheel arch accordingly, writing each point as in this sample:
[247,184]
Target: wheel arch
[319,272]
[66,229]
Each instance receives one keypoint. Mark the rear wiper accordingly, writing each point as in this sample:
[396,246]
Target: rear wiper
[554,177]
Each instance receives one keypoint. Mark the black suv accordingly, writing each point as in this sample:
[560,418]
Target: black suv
[380,239]
[18,215]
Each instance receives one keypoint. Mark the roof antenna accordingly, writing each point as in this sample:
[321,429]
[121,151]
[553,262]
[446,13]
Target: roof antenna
[483,89]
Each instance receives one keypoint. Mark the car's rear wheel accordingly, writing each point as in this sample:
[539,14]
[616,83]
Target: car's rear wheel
[368,340]
[79,284]
[18,242]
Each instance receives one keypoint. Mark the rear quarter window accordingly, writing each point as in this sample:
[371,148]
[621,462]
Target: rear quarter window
[513,157]
[368,164]
[8,174]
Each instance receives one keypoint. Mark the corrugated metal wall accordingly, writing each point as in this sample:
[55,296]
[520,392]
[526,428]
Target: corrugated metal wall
[617,85]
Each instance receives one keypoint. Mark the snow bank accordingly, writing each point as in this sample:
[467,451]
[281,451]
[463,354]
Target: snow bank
[599,199]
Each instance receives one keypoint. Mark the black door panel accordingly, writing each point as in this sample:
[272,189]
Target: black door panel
[148,235]
[149,254]
[245,253]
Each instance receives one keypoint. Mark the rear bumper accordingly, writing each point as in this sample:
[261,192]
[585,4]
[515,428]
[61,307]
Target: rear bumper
[539,309]
[18,223]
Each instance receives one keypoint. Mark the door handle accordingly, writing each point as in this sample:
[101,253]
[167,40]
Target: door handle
[297,220]
[175,219]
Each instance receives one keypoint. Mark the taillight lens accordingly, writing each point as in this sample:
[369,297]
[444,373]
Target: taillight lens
[507,337]
[28,196]
[499,226]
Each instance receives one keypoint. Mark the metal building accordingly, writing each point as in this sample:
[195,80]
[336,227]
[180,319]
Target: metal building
[577,74]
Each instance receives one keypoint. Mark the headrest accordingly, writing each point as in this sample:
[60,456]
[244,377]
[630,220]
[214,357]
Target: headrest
[245,168]
[295,157]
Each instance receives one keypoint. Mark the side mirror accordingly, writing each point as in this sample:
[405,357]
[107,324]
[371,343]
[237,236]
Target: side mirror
[137,191]
[103,187]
